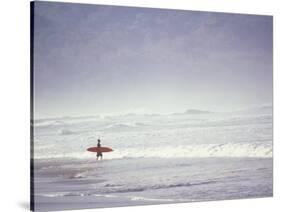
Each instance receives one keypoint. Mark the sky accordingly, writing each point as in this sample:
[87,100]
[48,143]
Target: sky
[94,59]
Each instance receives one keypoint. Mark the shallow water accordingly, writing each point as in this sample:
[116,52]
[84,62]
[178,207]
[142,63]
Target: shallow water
[156,159]
[153,180]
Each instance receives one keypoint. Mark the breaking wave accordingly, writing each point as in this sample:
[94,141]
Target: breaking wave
[200,150]
[181,151]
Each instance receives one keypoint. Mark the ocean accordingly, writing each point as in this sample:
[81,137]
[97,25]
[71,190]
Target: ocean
[157,158]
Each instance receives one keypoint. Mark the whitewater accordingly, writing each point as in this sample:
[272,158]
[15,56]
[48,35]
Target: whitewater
[180,157]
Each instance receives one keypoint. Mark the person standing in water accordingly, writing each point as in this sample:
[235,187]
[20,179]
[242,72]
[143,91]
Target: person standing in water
[99,154]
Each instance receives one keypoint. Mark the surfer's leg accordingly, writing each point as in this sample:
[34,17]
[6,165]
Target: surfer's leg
[99,154]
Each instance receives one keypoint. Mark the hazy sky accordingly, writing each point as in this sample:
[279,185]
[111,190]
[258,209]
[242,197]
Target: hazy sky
[92,59]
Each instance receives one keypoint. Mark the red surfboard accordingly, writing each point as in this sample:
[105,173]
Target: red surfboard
[99,149]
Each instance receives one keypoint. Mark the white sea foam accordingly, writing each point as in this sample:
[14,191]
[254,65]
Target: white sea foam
[182,151]
[200,150]
[137,198]
[172,136]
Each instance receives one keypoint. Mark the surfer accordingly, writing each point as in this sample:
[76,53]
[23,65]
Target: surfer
[99,154]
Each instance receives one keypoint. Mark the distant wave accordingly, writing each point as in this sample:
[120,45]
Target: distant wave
[65,121]
[66,132]
[262,109]
[124,126]
[48,123]
[194,111]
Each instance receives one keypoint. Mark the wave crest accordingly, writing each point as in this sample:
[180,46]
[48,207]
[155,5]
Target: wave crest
[180,151]
[200,150]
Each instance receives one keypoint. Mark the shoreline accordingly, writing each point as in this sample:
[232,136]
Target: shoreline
[82,184]
[99,202]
